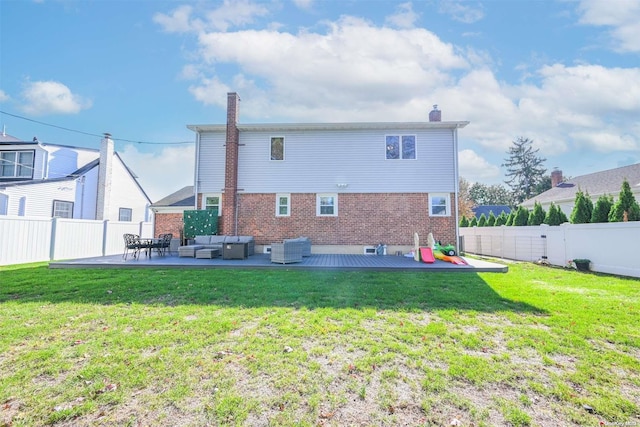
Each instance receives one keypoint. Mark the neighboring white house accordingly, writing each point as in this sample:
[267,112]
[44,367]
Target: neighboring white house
[343,185]
[607,182]
[50,180]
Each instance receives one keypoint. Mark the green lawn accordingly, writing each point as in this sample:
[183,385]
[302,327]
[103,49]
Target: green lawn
[535,346]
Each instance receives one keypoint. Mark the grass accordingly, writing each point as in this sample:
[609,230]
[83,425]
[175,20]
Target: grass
[535,346]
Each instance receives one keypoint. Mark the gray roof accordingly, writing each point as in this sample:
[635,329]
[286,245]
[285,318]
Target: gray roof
[596,184]
[182,197]
[487,209]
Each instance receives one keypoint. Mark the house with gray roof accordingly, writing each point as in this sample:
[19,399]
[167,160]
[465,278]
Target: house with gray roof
[607,182]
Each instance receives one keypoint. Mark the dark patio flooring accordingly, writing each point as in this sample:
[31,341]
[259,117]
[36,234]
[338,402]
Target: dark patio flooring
[315,261]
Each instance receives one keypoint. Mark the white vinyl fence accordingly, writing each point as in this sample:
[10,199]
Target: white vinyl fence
[612,247]
[24,239]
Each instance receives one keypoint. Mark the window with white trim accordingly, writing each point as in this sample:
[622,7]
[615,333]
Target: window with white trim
[62,209]
[439,204]
[212,202]
[400,147]
[125,215]
[283,204]
[327,204]
[16,164]
[277,148]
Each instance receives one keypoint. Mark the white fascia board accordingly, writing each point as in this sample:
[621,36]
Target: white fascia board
[274,127]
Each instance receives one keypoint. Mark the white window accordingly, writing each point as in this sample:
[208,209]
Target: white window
[212,202]
[327,204]
[283,204]
[400,147]
[439,204]
[125,214]
[62,209]
[16,164]
[277,148]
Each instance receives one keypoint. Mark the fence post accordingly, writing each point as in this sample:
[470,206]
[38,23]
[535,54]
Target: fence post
[105,234]
[54,232]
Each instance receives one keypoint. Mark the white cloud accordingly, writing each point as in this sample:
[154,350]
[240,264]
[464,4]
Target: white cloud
[303,4]
[475,168]
[3,96]
[462,11]
[405,17]
[49,97]
[231,13]
[163,172]
[621,16]
[329,75]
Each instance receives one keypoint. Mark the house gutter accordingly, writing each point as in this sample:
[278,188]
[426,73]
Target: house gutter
[196,171]
[456,186]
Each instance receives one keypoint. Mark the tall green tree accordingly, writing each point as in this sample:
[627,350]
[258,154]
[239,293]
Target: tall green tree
[537,215]
[491,221]
[555,216]
[482,221]
[626,206]
[473,222]
[464,222]
[582,209]
[521,217]
[602,208]
[501,219]
[496,194]
[510,218]
[525,169]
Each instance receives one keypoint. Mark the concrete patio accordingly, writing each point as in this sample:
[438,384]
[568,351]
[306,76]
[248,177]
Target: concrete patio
[314,262]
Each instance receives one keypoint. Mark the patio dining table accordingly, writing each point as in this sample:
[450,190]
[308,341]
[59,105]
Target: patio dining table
[148,244]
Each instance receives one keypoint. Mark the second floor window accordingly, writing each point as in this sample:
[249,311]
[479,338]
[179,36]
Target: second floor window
[400,147]
[277,148]
[16,164]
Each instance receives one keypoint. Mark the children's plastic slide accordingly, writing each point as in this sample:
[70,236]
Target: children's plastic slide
[426,255]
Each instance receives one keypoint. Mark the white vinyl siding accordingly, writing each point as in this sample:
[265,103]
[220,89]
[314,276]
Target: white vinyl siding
[439,205]
[318,161]
[327,204]
[211,162]
[283,204]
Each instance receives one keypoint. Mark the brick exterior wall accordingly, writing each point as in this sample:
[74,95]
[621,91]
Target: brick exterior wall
[363,219]
[169,223]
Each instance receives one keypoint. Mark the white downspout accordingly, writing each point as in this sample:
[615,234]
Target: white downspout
[456,186]
[196,171]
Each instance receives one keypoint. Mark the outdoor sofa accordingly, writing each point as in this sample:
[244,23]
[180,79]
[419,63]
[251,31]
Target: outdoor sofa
[215,242]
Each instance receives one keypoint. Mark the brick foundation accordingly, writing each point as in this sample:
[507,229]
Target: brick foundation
[169,223]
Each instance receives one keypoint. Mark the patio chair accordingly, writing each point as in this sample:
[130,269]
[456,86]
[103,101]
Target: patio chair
[286,252]
[131,244]
[163,243]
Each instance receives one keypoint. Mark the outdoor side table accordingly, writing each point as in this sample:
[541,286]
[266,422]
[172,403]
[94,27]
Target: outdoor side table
[235,250]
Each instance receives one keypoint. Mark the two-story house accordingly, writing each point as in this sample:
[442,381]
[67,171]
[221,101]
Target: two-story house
[344,185]
[50,180]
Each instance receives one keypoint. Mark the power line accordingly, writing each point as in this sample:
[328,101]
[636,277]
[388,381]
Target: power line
[93,134]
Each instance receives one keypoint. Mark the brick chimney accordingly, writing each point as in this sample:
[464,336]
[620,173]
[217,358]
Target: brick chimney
[229,203]
[435,115]
[556,177]
[104,177]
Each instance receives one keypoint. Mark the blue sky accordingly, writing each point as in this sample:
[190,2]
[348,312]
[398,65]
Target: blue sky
[563,73]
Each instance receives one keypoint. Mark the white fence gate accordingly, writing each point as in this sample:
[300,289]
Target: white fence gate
[612,247]
[24,239]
